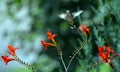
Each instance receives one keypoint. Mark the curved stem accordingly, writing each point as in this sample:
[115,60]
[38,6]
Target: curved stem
[93,65]
[76,52]
[25,64]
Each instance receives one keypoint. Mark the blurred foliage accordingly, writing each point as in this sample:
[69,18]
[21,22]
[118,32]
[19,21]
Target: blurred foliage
[31,19]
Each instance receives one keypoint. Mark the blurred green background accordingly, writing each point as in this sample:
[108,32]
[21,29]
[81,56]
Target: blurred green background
[24,23]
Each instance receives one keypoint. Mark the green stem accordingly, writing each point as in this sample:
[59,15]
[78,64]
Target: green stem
[25,64]
[60,53]
[93,65]
[61,58]
[57,47]
[76,52]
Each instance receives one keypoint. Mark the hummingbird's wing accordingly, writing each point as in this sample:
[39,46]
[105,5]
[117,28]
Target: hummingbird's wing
[62,16]
[75,14]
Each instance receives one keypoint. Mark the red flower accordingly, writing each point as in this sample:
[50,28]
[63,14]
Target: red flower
[84,29]
[45,44]
[12,50]
[51,36]
[104,53]
[6,59]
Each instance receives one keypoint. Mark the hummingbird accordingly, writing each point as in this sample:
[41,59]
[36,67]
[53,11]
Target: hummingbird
[70,16]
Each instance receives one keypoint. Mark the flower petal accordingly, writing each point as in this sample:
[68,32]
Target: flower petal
[12,50]
[45,44]
[50,35]
[6,59]
[84,29]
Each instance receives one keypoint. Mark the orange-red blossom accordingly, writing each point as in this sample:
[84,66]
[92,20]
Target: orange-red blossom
[46,45]
[50,37]
[7,59]
[104,53]
[84,29]
[12,50]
